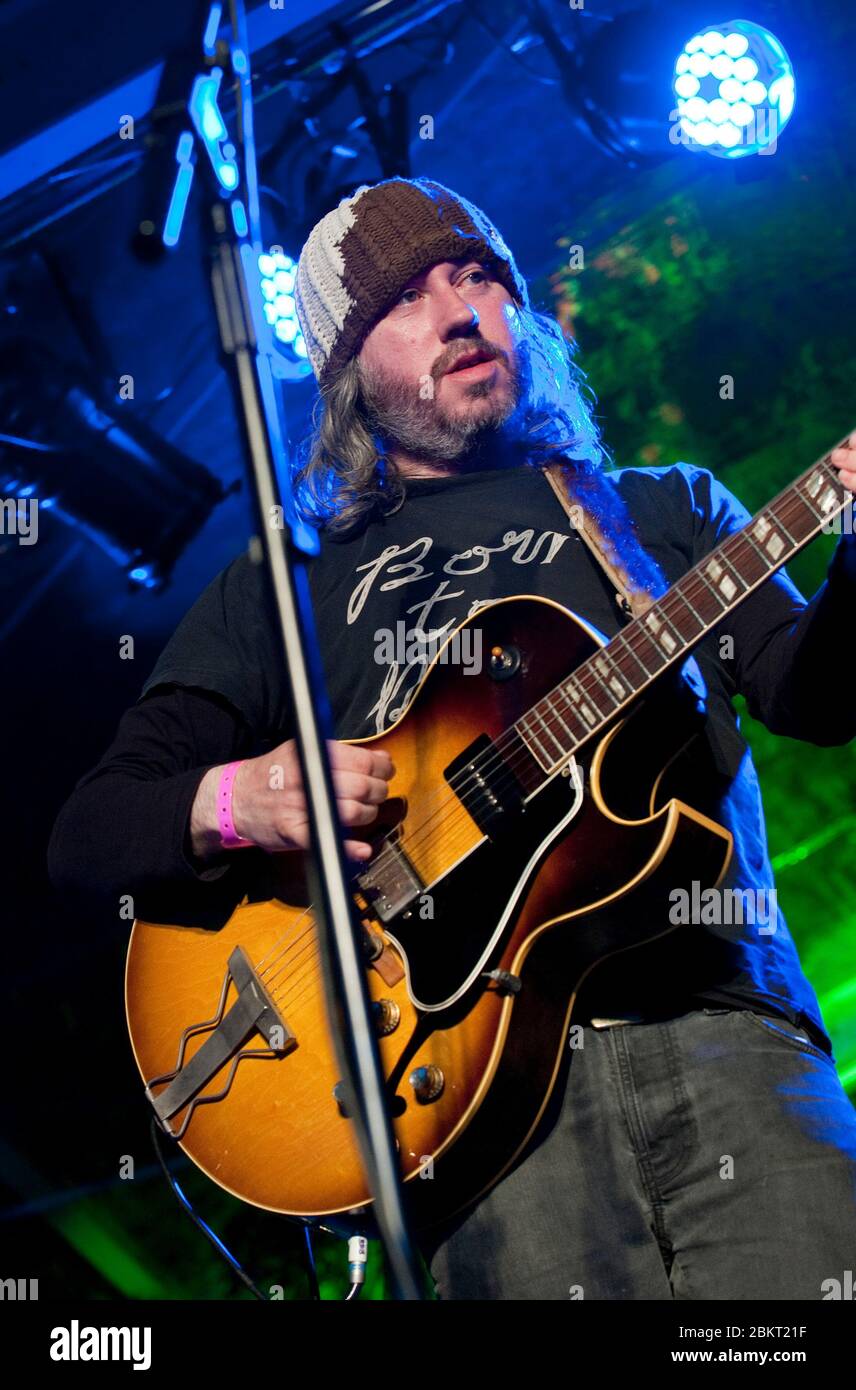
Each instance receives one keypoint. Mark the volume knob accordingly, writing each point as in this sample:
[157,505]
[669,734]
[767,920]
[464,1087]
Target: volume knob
[427,1083]
[387,1016]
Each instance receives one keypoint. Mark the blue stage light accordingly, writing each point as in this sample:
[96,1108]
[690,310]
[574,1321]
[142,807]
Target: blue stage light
[278,273]
[686,85]
[181,190]
[734,89]
[736,45]
[211,128]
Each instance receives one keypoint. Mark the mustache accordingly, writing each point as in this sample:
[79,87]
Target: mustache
[466,349]
[383,388]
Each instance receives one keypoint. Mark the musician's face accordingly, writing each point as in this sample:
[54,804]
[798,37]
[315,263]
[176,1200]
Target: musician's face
[412,393]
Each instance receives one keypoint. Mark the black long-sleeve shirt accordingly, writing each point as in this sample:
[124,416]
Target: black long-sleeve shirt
[219,692]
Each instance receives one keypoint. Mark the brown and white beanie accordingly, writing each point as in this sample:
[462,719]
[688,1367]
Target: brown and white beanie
[357,260]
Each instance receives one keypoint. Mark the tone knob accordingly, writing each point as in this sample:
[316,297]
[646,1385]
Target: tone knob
[427,1083]
[387,1016]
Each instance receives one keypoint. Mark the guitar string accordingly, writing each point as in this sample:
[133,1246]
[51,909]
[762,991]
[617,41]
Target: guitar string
[310,931]
[305,913]
[270,983]
[312,986]
[422,831]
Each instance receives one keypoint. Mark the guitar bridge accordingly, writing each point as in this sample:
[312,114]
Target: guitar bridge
[390,883]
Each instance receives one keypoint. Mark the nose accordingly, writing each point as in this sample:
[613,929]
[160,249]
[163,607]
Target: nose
[455,317]
[459,320]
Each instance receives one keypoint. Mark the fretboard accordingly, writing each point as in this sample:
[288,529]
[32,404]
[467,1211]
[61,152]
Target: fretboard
[604,685]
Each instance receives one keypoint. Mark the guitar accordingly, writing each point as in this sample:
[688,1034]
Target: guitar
[528,801]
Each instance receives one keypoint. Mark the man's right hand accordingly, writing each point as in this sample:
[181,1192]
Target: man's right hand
[269,807]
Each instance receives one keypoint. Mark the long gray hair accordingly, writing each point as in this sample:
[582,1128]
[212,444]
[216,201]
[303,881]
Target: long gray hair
[343,476]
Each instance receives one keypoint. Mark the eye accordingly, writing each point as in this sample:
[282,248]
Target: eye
[484,280]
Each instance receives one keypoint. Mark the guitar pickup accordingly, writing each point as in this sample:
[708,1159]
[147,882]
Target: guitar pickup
[486,786]
[390,883]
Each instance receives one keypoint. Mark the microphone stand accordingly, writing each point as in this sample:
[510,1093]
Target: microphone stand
[235,247]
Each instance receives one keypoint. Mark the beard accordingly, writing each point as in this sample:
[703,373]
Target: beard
[410,417]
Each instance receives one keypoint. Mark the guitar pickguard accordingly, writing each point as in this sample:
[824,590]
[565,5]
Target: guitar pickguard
[450,934]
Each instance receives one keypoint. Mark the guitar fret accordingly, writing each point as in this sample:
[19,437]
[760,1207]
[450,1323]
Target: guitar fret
[724,581]
[617,682]
[764,530]
[783,527]
[582,728]
[834,492]
[808,516]
[655,647]
[812,486]
[824,490]
[550,734]
[683,598]
[815,482]
[628,647]
[567,730]
[533,744]
[702,574]
[543,753]
[602,668]
[589,694]
[756,548]
[579,700]
[694,610]
[658,626]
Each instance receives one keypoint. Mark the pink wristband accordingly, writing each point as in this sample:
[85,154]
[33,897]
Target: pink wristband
[229,839]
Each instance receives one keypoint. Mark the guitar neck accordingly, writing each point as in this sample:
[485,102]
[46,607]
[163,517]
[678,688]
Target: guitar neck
[606,684]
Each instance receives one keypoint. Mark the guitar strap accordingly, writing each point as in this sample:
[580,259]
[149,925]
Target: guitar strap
[633,595]
[632,599]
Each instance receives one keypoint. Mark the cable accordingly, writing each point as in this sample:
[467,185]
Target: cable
[197,1220]
[357,1245]
[311,1271]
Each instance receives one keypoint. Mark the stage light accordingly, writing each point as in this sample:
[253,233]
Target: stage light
[181,190]
[143,575]
[278,272]
[621,74]
[734,88]
[211,128]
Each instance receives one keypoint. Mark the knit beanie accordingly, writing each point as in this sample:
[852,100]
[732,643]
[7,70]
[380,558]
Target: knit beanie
[357,260]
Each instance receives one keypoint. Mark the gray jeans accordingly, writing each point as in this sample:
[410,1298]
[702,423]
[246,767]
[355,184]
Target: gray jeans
[707,1156]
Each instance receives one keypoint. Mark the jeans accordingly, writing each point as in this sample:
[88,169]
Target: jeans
[706,1156]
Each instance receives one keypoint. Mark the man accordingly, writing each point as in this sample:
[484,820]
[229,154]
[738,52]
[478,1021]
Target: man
[703,1146]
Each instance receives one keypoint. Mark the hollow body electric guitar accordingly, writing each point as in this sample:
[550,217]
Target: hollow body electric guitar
[529,801]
